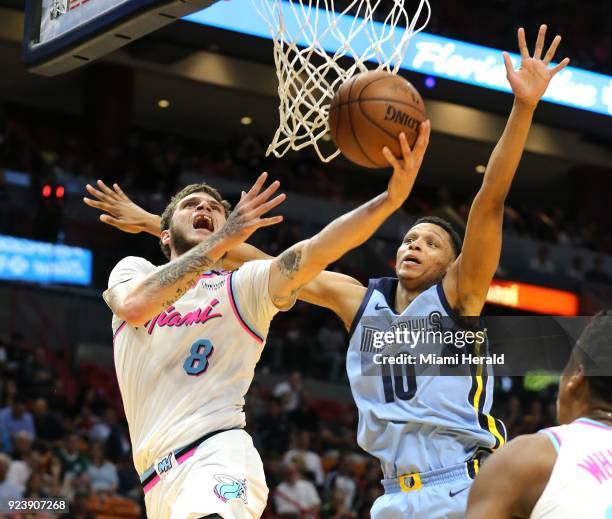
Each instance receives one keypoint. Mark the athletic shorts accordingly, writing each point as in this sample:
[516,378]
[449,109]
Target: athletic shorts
[224,476]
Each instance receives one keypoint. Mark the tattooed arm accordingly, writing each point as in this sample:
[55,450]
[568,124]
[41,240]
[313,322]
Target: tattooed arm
[301,263]
[138,301]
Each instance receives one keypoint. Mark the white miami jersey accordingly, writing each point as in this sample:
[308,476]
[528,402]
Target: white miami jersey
[581,481]
[185,373]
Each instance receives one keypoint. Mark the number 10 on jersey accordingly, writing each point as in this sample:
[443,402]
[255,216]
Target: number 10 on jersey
[397,383]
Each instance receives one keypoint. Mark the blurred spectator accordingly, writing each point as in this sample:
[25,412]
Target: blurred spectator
[576,269]
[341,481]
[14,419]
[78,507]
[47,423]
[70,456]
[7,489]
[275,428]
[312,461]
[597,273]
[39,374]
[290,391]
[336,507]
[19,471]
[332,346]
[542,262]
[296,498]
[102,473]
[305,417]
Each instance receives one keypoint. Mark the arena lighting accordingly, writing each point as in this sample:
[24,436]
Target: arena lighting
[46,191]
[59,192]
[430,82]
[533,298]
[428,54]
[246,120]
[163,103]
[481,168]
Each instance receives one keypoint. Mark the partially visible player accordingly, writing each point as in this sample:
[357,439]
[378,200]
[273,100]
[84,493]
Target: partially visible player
[187,336]
[563,472]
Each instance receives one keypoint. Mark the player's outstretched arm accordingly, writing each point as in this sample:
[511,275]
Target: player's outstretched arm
[138,301]
[332,290]
[299,264]
[467,281]
[120,211]
[512,480]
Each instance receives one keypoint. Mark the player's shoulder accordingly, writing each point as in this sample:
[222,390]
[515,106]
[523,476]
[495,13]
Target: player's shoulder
[134,261]
[529,455]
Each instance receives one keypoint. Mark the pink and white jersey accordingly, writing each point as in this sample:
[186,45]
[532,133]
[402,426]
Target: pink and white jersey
[581,481]
[185,372]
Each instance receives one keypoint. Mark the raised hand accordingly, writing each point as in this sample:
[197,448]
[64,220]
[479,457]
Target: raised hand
[529,83]
[246,217]
[120,211]
[405,170]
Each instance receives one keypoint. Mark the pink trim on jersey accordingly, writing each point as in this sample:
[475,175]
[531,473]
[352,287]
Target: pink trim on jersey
[151,484]
[555,434]
[186,456]
[237,313]
[121,327]
[592,423]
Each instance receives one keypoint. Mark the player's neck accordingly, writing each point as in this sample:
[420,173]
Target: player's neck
[601,414]
[403,297]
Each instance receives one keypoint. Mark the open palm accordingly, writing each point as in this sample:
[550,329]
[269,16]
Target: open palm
[531,81]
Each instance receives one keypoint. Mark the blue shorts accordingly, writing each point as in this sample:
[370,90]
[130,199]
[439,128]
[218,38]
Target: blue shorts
[440,494]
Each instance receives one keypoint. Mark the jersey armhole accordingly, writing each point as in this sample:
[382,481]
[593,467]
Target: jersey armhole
[554,438]
[362,307]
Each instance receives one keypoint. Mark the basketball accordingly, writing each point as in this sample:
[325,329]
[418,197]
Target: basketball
[369,111]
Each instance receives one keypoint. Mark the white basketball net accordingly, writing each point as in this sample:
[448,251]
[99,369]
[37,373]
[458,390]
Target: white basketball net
[308,76]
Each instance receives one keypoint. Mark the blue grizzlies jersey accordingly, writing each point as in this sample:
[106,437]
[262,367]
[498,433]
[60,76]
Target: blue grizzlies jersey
[417,422]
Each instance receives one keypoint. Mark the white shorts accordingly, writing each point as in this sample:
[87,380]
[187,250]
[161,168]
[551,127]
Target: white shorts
[224,476]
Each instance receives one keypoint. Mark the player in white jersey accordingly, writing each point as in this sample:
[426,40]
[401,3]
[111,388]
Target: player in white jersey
[187,337]
[564,472]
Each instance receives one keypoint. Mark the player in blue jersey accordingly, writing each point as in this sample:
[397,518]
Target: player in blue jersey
[428,432]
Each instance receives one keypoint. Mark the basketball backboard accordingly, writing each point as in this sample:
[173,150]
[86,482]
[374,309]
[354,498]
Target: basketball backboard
[61,35]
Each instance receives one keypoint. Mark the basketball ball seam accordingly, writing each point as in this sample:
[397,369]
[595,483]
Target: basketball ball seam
[355,139]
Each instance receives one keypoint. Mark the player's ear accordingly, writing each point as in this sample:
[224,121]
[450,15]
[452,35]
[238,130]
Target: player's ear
[165,237]
[575,382]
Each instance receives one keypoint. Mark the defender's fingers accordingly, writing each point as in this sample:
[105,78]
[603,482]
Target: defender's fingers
[266,222]
[254,191]
[560,66]
[552,49]
[537,53]
[264,208]
[406,151]
[508,63]
[119,191]
[262,197]
[523,44]
[103,187]
[97,205]
[110,220]
[95,192]
[390,158]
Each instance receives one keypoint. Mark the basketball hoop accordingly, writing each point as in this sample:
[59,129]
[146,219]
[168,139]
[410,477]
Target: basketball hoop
[316,49]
